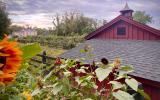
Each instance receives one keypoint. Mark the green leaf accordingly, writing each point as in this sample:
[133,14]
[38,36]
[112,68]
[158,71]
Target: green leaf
[63,66]
[32,82]
[121,95]
[127,68]
[67,73]
[145,95]
[80,71]
[82,79]
[132,83]
[102,73]
[48,75]
[4,97]
[116,85]
[57,88]
[82,51]
[35,92]
[66,86]
[30,51]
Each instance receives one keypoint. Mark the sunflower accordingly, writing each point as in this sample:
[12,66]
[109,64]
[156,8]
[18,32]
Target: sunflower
[10,60]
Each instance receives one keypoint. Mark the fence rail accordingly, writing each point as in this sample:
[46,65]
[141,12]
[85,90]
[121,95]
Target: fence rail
[43,59]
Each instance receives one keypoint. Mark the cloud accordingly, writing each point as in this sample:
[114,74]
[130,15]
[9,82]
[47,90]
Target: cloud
[43,10]
[20,2]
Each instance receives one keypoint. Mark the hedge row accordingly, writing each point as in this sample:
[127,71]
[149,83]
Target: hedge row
[54,41]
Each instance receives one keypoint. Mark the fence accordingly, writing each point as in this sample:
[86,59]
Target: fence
[42,59]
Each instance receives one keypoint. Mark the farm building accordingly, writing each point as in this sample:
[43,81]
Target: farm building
[25,32]
[135,43]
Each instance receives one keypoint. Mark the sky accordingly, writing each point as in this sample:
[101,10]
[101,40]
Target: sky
[40,13]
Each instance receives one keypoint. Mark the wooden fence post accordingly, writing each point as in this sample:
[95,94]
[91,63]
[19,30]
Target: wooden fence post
[44,57]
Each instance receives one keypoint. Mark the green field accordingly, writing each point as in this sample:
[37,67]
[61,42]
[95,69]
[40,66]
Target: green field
[50,51]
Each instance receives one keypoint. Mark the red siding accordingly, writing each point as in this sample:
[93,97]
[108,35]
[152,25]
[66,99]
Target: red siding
[132,32]
[153,92]
[152,88]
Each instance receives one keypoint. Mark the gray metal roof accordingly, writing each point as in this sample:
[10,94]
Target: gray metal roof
[143,55]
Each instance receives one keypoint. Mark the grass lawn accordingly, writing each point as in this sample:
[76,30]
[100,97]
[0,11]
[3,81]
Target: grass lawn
[50,51]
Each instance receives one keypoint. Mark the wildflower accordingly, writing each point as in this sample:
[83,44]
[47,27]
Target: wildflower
[58,61]
[10,60]
[27,95]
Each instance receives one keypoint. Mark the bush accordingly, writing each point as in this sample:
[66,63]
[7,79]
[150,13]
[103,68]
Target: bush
[54,41]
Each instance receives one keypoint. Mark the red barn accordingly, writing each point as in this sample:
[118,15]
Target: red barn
[124,27]
[137,44]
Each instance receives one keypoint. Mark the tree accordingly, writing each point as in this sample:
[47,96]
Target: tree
[71,23]
[16,28]
[142,17]
[4,23]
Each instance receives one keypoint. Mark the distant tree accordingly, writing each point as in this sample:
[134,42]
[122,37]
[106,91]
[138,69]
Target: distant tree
[42,31]
[73,23]
[16,28]
[4,23]
[142,17]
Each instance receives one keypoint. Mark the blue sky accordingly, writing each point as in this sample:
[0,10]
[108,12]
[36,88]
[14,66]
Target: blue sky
[40,12]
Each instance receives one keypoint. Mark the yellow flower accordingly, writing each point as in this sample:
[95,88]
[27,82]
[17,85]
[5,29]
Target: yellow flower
[27,95]
[10,60]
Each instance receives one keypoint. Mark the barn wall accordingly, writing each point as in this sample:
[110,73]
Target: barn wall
[153,92]
[132,32]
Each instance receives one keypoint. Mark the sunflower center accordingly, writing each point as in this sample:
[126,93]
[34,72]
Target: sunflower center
[2,61]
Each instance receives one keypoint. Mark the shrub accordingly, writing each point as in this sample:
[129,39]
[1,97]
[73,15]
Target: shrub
[54,41]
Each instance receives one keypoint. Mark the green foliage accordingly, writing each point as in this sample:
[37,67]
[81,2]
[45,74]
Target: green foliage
[122,95]
[4,23]
[73,23]
[102,73]
[57,82]
[116,85]
[144,94]
[16,28]
[54,41]
[142,17]
[132,83]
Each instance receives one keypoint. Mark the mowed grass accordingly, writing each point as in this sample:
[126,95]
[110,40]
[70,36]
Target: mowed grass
[54,52]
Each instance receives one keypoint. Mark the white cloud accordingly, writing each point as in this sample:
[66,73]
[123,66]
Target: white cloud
[39,20]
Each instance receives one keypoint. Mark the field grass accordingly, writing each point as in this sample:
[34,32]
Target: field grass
[53,51]
[50,51]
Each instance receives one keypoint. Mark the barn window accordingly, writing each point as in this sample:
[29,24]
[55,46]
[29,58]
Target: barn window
[121,31]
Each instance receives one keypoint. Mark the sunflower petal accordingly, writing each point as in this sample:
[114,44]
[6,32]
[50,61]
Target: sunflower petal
[1,65]
[1,72]
[12,54]
[4,55]
[1,47]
